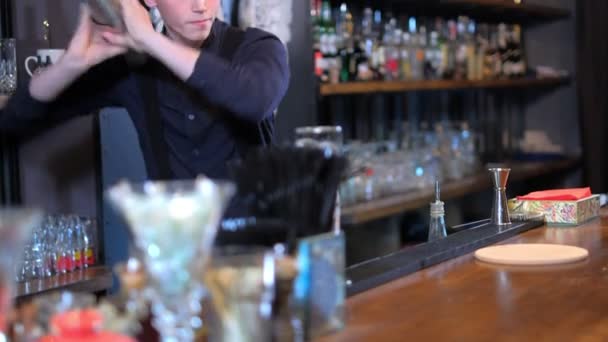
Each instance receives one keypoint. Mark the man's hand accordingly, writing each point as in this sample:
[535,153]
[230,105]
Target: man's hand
[139,28]
[88,47]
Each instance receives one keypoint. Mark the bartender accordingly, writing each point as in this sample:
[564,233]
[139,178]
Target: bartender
[205,95]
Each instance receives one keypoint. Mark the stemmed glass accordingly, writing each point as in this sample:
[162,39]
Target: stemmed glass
[174,225]
[16,226]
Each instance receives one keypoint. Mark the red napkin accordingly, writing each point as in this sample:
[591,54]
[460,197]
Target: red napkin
[557,195]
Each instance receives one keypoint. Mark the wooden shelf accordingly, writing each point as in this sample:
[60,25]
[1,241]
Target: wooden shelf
[481,10]
[403,86]
[510,7]
[396,204]
[91,280]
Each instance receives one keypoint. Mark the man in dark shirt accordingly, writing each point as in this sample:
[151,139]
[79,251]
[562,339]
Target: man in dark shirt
[207,102]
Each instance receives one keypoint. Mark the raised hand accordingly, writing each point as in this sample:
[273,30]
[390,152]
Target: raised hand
[88,46]
[139,28]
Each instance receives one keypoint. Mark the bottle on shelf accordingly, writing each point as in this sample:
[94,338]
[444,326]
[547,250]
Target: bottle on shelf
[419,46]
[517,59]
[366,45]
[89,244]
[433,58]
[460,71]
[471,51]
[405,55]
[392,42]
[503,52]
[452,47]
[482,43]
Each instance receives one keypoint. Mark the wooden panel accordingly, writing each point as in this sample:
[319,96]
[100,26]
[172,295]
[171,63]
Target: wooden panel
[400,203]
[482,10]
[511,7]
[91,280]
[466,300]
[402,86]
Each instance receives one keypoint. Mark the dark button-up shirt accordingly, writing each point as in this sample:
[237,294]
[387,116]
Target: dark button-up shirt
[200,139]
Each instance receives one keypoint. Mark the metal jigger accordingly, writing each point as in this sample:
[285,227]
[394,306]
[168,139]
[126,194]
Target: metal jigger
[500,210]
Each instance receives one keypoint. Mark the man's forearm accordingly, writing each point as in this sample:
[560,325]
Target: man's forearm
[51,82]
[178,58]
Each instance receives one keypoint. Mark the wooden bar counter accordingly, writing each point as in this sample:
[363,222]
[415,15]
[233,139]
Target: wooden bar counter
[466,300]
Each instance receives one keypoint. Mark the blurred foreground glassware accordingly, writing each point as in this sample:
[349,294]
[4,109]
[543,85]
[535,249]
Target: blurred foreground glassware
[8,66]
[174,225]
[133,282]
[329,139]
[242,283]
[16,226]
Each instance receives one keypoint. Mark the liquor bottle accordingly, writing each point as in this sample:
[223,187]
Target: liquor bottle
[418,57]
[333,61]
[366,45]
[392,40]
[346,45]
[492,64]
[461,50]
[503,51]
[517,53]
[416,68]
[329,48]
[471,48]
[481,39]
[442,42]
[315,12]
[89,244]
[433,58]
[405,55]
[379,58]
[452,47]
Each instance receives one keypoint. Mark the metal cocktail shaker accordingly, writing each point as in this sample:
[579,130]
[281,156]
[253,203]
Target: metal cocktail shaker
[106,12]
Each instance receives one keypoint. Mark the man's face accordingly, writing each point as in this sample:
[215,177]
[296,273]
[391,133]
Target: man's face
[188,21]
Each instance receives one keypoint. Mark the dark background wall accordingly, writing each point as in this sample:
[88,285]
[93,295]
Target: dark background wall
[554,44]
[58,168]
[299,108]
[556,112]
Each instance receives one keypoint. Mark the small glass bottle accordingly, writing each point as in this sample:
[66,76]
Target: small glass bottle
[437,229]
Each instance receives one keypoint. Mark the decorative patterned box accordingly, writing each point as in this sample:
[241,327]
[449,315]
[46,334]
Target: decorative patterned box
[561,212]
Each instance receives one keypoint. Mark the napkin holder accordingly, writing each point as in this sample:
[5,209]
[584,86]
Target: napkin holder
[561,213]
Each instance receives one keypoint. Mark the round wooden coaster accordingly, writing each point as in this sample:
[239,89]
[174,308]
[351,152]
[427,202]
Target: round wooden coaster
[531,254]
